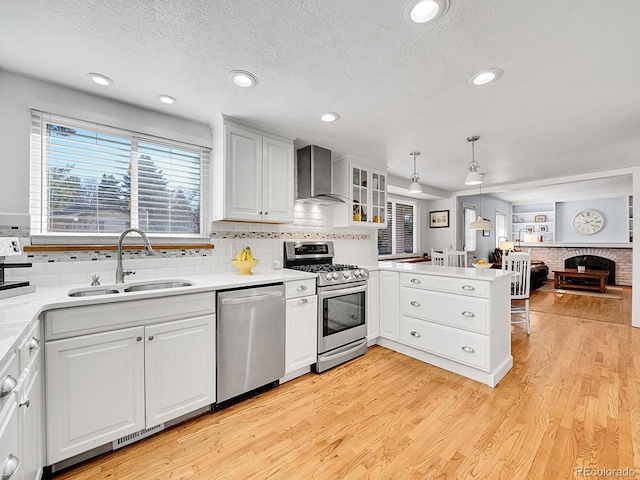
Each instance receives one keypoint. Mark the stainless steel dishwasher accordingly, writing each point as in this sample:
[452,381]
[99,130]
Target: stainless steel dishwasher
[250,339]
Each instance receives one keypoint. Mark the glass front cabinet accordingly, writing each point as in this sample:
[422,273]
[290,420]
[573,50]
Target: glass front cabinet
[366,189]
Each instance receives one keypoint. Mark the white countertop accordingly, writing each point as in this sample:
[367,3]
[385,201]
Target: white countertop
[17,313]
[487,274]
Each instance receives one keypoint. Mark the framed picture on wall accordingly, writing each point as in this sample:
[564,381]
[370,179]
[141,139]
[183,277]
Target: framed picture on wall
[439,219]
[530,228]
[544,228]
[540,218]
[486,233]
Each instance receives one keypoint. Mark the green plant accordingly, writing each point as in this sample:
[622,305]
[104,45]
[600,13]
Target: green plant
[581,261]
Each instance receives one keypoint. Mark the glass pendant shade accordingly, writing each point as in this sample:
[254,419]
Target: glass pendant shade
[480,224]
[415,186]
[473,178]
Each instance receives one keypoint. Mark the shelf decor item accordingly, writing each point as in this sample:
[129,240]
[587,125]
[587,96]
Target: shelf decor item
[544,228]
[439,219]
[540,218]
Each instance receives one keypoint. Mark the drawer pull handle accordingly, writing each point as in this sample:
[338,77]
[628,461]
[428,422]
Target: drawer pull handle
[33,344]
[302,301]
[415,280]
[302,288]
[468,287]
[11,465]
[415,304]
[468,314]
[7,386]
[468,349]
[415,334]
[25,403]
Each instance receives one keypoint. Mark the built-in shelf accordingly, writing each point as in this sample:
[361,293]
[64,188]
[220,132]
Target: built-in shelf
[533,219]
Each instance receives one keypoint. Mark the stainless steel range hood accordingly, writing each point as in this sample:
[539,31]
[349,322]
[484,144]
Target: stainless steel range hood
[314,177]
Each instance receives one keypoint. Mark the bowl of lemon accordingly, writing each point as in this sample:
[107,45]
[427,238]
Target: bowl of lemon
[482,264]
[244,261]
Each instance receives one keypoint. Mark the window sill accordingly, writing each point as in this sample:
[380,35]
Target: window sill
[78,248]
[404,259]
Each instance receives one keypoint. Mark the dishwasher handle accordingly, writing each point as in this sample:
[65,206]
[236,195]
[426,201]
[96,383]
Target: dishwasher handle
[256,298]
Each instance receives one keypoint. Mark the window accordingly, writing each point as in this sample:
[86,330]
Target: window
[402,235]
[89,180]
[501,226]
[469,215]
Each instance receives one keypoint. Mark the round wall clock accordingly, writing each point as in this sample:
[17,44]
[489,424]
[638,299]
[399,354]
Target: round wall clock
[588,221]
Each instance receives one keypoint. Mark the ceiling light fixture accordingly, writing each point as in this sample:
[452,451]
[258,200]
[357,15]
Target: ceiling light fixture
[242,78]
[415,186]
[419,12]
[100,79]
[474,177]
[329,117]
[485,76]
[168,99]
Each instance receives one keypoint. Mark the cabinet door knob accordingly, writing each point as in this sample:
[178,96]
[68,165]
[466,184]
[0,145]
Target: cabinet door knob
[301,288]
[415,280]
[138,339]
[11,465]
[266,213]
[415,304]
[260,212]
[468,287]
[415,334]
[302,301]
[468,314]
[468,349]
[33,344]
[7,385]
[151,337]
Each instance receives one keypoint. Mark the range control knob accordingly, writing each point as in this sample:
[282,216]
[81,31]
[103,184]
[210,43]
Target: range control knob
[364,272]
[346,275]
[328,276]
[357,273]
[334,275]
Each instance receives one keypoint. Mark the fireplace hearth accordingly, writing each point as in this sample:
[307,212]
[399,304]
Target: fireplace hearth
[593,262]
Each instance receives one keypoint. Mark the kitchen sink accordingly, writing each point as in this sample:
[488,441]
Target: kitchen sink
[157,285]
[92,291]
[124,288]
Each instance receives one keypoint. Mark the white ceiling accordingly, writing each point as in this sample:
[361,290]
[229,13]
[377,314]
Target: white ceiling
[568,102]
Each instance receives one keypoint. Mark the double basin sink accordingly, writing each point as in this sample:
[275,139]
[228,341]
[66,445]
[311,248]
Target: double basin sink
[124,288]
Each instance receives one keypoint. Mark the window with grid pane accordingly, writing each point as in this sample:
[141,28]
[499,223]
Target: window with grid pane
[88,178]
[401,235]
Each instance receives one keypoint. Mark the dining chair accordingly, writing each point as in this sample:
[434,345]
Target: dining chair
[455,258]
[520,264]
[437,258]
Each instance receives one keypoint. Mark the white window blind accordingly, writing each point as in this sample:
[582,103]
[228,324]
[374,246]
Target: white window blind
[402,234]
[501,226]
[469,215]
[89,179]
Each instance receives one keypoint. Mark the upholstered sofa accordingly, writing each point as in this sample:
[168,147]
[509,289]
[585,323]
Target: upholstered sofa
[539,270]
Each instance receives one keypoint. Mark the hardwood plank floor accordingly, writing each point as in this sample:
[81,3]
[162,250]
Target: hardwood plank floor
[572,400]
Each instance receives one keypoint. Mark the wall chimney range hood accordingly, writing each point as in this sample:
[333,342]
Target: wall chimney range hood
[314,177]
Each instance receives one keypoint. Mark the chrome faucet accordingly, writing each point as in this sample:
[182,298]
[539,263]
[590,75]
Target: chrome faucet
[120,272]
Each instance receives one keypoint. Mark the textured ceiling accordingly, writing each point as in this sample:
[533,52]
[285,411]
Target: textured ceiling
[568,102]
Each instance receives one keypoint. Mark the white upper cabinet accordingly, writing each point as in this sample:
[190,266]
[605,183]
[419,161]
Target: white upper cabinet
[252,175]
[367,189]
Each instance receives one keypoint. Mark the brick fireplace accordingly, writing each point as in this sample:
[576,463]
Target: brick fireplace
[555,258]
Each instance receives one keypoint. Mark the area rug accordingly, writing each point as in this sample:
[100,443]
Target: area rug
[612,292]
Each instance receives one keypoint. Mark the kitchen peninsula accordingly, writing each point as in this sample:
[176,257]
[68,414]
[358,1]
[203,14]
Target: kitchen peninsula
[455,318]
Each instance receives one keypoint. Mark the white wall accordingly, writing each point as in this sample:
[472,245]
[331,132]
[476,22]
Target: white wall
[438,238]
[616,220]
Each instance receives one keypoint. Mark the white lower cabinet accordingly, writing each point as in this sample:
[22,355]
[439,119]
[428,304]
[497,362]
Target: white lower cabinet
[373,306]
[31,421]
[9,440]
[390,305]
[104,386]
[301,336]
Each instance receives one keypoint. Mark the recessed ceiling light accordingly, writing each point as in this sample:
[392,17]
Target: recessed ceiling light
[242,79]
[419,12]
[329,117]
[485,76]
[100,79]
[168,99]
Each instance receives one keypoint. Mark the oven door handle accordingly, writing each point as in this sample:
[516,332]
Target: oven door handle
[342,291]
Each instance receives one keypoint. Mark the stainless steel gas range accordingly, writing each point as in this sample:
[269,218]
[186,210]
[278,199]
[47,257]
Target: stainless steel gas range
[342,299]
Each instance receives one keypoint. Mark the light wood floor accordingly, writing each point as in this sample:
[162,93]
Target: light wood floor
[571,400]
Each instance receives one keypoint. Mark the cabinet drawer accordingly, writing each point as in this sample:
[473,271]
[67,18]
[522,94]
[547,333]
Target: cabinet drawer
[30,345]
[460,311]
[300,288]
[457,345]
[9,376]
[472,288]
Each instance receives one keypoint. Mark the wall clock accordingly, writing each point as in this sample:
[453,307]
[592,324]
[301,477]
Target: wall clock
[588,221]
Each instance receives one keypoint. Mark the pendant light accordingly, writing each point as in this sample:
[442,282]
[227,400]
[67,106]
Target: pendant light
[474,177]
[415,186]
